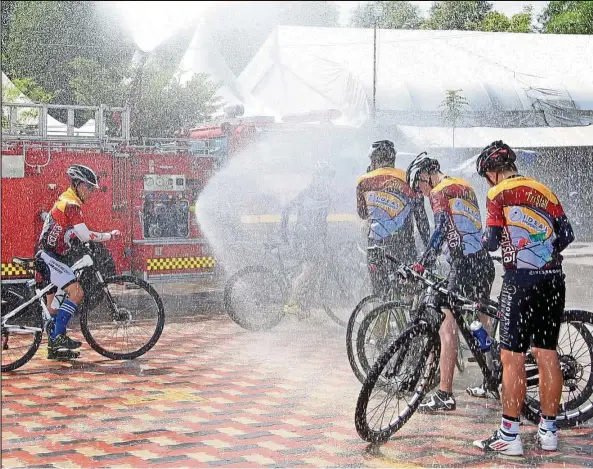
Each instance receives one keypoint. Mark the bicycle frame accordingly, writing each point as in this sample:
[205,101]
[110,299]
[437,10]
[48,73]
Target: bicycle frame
[83,263]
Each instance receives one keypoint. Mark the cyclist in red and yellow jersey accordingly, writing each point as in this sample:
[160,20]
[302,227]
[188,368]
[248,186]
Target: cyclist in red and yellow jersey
[526,219]
[64,223]
[389,205]
[457,232]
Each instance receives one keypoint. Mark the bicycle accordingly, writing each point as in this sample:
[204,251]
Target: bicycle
[376,320]
[101,316]
[268,289]
[409,365]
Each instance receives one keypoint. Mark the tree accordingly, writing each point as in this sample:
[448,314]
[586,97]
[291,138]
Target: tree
[567,17]
[452,108]
[462,15]
[499,22]
[44,36]
[396,15]
[163,106]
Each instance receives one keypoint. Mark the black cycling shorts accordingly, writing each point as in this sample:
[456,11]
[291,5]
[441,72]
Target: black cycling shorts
[472,276]
[530,315]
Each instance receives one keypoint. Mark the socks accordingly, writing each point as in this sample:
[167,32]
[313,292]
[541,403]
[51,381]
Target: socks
[509,428]
[548,424]
[65,313]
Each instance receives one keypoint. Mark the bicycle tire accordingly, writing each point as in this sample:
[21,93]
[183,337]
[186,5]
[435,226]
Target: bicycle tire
[343,294]
[566,419]
[84,317]
[274,320]
[459,360]
[384,308]
[401,346]
[37,322]
[352,330]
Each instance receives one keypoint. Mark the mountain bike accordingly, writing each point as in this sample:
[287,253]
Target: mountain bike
[407,367]
[378,319]
[108,322]
[254,297]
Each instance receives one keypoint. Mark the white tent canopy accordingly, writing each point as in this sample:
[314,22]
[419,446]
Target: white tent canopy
[203,56]
[478,137]
[300,69]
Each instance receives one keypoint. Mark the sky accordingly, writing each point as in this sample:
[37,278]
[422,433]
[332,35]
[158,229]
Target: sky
[151,24]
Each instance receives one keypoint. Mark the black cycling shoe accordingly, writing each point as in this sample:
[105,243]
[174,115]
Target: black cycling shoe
[53,354]
[63,342]
[438,402]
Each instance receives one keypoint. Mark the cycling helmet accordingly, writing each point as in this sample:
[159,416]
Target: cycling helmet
[324,169]
[80,173]
[383,150]
[421,164]
[495,157]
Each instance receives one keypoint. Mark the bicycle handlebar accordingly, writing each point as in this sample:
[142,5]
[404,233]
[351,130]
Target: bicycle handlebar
[435,284]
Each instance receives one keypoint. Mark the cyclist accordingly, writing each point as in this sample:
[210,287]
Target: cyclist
[457,232]
[385,200]
[526,219]
[310,233]
[63,224]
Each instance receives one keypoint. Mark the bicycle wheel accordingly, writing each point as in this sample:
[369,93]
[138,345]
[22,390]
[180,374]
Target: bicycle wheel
[361,310]
[254,298]
[397,375]
[21,334]
[575,353]
[338,296]
[378,330]
[126,322]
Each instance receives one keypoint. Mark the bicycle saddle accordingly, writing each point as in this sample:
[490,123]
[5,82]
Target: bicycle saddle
[24,261]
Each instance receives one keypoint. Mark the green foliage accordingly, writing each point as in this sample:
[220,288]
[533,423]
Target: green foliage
[499,22]
[453,107]
[461,15]
[568,17]
[396,15]
[163,105]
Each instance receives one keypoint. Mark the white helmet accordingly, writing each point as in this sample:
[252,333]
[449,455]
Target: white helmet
[81,173]
[421,164]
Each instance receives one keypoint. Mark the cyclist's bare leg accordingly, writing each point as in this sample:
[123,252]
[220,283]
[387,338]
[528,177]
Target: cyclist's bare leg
[301,282]
[75,293]
[550,382]
[514,382]
[448,334]
[49,300]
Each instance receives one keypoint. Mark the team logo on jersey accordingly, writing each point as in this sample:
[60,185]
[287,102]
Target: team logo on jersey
[466,209]
[537,227]
[390,203]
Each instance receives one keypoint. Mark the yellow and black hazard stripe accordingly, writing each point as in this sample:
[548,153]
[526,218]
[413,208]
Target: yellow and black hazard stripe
[15,270]
[177,263]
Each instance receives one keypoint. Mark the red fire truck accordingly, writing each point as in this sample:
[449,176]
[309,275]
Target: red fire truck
[148,191]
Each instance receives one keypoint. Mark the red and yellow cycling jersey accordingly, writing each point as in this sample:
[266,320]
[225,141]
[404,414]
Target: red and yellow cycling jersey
[384,198]
[456,213]
[57,229]
[528,213]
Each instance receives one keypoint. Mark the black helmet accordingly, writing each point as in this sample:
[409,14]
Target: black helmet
[383,150]
[497,156]
[80,173]
[421,164]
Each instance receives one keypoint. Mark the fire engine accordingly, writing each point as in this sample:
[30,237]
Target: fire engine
[147,191]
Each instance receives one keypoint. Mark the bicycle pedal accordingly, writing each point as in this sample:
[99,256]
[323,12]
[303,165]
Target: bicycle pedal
[471,359]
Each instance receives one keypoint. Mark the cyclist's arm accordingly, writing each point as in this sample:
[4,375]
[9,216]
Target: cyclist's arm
[437,239]
[421,219]
[564,233]
[85,235]
[495,221]
[361,204]
[284,218]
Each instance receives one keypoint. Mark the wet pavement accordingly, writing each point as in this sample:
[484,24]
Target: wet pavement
[212,394]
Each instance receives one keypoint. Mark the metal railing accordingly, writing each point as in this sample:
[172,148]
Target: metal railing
[32,122]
